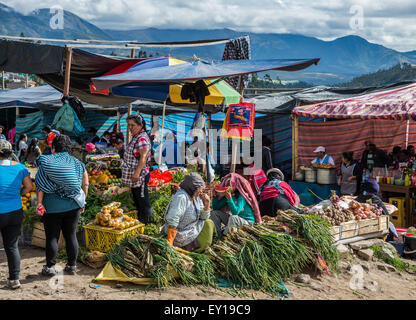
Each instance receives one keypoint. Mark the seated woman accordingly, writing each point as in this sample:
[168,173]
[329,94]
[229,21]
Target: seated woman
[276,194]
[369,191]
[186,219]
[236,207]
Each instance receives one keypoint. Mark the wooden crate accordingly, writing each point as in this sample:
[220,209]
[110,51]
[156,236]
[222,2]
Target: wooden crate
[39,238]
[358,228]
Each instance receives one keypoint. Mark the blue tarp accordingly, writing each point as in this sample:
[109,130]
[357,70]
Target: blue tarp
[46,98]
[199,70]
[30,97]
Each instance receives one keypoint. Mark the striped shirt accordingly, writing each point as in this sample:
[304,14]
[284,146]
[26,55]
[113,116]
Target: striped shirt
[59,173]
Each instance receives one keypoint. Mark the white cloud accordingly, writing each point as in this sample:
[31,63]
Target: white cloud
[390,23]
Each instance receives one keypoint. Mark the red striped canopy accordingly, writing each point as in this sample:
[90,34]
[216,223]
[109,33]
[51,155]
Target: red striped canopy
[394,104]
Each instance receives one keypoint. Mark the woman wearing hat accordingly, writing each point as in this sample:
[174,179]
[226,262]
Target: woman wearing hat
[187,222]
[275,194]
[13,176]
[91,149]
[369,191]
[322,157]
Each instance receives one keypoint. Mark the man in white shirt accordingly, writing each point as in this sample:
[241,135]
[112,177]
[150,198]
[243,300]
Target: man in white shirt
[322,157]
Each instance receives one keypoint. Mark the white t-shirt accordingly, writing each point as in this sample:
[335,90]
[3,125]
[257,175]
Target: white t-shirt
[22,147]
[326,160]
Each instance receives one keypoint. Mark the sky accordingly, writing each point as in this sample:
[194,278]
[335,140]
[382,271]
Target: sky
[389,23]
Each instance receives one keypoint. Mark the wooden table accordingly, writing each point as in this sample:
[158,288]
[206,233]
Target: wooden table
[407,191]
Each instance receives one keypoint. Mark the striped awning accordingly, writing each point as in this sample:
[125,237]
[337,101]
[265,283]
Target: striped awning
[394,104]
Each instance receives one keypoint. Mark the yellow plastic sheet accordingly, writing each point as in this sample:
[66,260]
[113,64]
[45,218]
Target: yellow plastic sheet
[109,273]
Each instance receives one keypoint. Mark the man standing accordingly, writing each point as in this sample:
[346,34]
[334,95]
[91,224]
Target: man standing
[50,135]
[373,157]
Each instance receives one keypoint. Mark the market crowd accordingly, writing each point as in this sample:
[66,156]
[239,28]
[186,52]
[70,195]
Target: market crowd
[196,213]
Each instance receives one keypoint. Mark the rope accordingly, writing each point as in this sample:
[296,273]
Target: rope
[315,194]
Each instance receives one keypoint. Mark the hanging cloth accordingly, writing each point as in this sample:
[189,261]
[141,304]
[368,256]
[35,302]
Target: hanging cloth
[64,118]
[237,49]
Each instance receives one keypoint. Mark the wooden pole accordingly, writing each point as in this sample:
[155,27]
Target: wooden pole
[68,55]
[295,144]
[132,53]
[128,132]
[407,133]
[209,133]
[235,141]
[161,134]
[118,121]
[2,81]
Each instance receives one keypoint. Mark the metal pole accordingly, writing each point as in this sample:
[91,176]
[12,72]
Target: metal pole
[67,71]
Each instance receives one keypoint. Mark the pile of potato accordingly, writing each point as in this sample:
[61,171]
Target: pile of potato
[335,215]
[112,216]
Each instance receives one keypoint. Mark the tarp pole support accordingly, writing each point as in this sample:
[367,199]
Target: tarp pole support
[2,80]
[68,54]
[209,142]
[407,133]
[295,141]
[161,133]
[132,53]
[209,132]
[234,141]
[118,120]
[128,132]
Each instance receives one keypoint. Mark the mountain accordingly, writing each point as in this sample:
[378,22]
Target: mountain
[74,27]
[398,73]
[341,59]
[37,24]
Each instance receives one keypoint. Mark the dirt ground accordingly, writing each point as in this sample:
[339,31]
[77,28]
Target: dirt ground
[377,285]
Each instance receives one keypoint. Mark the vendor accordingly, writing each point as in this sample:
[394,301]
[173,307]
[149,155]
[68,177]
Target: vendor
[350,175]
[373,157]
[369,191]
[93,138]
[322,157]
[187,222]
[91,149]
[106,138]
[120,148]
[236,207]
[136,169]
[275,194]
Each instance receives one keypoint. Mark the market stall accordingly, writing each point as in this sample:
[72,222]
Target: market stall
[384,117]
